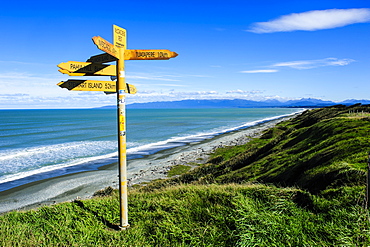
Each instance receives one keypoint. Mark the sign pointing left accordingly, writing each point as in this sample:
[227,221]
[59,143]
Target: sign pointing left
[104,45]
[88,85]
[102,58]
[91,85]
[87,68]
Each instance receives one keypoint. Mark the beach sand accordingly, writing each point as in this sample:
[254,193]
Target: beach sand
[83,185]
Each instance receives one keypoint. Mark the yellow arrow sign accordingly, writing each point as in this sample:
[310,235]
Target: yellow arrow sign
[104,45]
[131,89]
[88,68]
[101,58]
[90,85]
[135,55]
[63,71]
[149,54]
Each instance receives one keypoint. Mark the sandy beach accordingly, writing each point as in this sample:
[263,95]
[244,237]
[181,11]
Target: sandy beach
[83,185]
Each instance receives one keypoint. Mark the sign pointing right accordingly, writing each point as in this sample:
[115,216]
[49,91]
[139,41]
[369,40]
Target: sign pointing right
[149,54]
[135,55]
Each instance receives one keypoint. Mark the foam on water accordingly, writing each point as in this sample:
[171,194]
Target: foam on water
[19,163]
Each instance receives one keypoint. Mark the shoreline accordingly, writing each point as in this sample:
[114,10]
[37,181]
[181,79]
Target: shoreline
[83,185]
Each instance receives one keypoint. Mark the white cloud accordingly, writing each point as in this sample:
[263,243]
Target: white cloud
[172,95]
[146,91]
[199,76]
[26,90]
[75,99]
[259,71]
[310,64]
[303,64]
[154,78]
[26,83]
[20,76]
[313,20]
[194,93]
[239,91]
[24,63]
[13,94]
[168,85]
[169,95]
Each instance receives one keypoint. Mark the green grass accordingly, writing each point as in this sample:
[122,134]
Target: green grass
[226,153]
[313,151]
[301,184]
[178,170]
[190,215]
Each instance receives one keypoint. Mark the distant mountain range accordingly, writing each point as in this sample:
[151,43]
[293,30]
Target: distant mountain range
[240,103]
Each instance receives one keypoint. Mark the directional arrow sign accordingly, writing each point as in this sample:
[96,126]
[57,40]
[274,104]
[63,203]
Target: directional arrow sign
[88,68]
[63,71]
[149,54]
[102,58]
[135,55]
[90,85]
[131,89]
[104,45]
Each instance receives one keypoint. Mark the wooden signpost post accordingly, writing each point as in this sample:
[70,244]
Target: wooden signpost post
[94,66]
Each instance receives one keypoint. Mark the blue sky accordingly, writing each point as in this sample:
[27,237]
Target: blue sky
[252,49]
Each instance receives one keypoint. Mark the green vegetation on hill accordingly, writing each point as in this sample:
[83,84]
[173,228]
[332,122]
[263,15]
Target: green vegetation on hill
[320,149]
[301,184]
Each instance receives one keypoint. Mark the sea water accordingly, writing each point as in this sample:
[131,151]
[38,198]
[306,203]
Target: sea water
[41,144]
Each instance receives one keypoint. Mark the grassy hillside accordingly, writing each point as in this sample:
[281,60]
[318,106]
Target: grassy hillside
[321,149]
[301,184]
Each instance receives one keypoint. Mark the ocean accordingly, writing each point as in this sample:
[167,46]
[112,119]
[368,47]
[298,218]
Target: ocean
[42,144]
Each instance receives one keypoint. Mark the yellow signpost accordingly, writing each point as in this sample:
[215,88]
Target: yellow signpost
[102,58]
[119,37]
[63,71]
[121,121]
[104,45]
[135,55]
[94,67]
[149,54]
[90,85]
[88,68]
